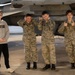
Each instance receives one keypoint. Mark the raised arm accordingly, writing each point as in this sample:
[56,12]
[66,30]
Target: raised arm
[61,29]
[21,22]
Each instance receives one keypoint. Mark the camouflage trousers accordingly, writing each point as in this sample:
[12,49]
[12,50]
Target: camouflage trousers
[70,49]
[48,53]
[30,50]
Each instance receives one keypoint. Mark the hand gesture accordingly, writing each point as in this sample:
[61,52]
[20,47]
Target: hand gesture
[2,40]
[40,18]
[24,18]
[73,24]
[65,24]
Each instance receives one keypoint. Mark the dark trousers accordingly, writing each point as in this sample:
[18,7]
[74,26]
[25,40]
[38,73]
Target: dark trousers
[4,50]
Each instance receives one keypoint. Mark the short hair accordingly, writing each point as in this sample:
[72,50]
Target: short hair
[45,12]
[69,11]
[29,15]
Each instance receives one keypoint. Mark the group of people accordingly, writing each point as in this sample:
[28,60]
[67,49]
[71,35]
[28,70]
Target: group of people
[46,25]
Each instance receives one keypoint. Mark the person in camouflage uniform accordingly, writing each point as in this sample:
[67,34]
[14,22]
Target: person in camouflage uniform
[29,38]
[68,29]
[48,48]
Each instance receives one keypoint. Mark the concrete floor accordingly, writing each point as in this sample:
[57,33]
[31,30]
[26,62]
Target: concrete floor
[17,61]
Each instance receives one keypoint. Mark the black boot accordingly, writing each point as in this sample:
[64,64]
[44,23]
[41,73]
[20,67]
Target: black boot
[28,65]
[34,65]
[53,67]
[47,66]
[72,66]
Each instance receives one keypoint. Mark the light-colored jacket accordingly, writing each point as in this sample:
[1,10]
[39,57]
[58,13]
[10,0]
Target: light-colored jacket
[4,31]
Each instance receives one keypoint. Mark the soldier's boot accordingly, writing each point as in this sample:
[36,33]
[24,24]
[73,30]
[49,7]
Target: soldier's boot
[53,67]
[34,65]
[47,66]
[28,66]
[72,66]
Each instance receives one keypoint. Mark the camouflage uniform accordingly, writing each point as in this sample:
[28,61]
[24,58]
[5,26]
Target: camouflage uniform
[29,38]
[69,33]
[48,48]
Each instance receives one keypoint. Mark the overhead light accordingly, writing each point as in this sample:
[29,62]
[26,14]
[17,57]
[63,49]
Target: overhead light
[1,5]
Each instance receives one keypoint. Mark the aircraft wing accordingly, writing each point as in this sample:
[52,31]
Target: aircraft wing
[11,13]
